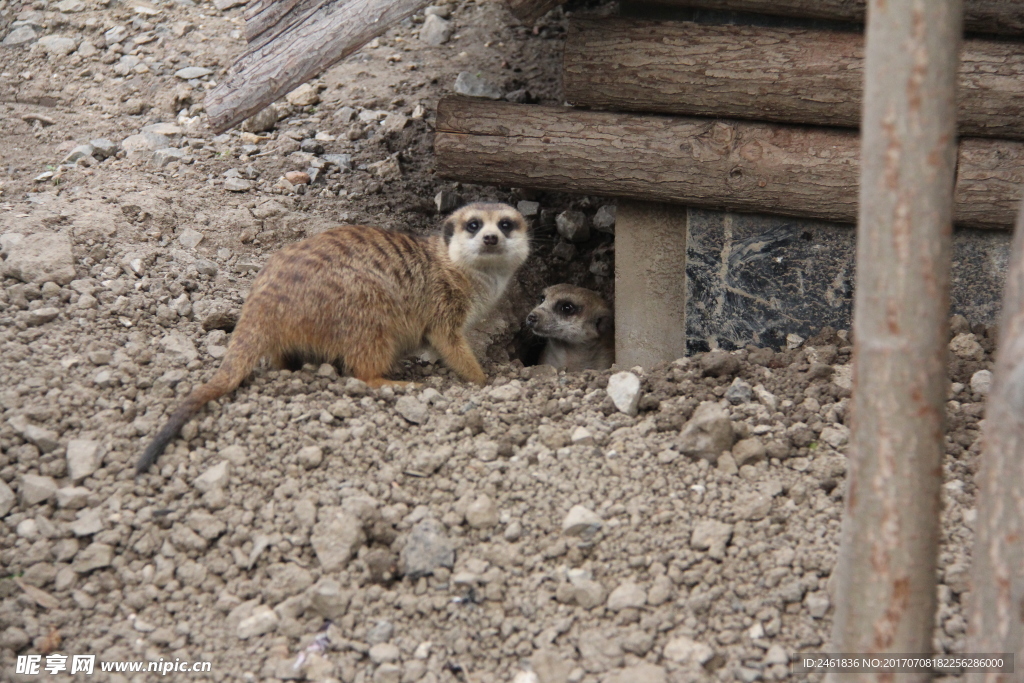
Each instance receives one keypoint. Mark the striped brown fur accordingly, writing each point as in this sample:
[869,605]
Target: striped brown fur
[362,298]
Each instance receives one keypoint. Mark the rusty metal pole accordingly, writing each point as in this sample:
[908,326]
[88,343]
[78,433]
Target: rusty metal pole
[887,558]
[996,610]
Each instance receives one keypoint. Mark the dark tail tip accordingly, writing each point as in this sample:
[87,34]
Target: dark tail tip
[163,437]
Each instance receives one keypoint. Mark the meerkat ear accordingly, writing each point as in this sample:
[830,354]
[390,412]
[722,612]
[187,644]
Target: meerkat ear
[605,325]
[448,229]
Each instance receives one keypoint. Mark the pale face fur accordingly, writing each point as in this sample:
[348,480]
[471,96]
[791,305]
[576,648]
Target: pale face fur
[490,242]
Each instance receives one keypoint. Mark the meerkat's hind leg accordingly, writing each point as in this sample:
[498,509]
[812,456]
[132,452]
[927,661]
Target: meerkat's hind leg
[455,352]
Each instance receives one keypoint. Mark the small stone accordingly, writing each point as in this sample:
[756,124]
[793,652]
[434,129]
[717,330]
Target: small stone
[793,341]
[482,513]
[205,267]
[215,477]
[981,382]
[966,346]
[94,556]
[191,72]
[303,96]
[27,528]
[73,497]
[624,390]
[627,595]
[336,538]
[412,409]
[387,673]
[297,177]
[581,436]
[573,226]
[88,522]
[767,398]
[41,316]
[528,209]
[42,257]
[60,46]
[162,157]
[836,437]
[817,603]
[506,392]
[685,650]
[739,392]
[329,599]
[446,201]
[190,238]
[384,653]
[748,451]
[237,185]
[707,433]
[103,148]
[435,30]
[604,219]
[35,489]
[473,85]
[310,457]
[581,521]
[115,35]
[341,161]
[711,535]
[19,36]
[79,152]
[661,590]
[311,146]
[394,122]
[143,143]
[426,549]
[639,673]
[776,655]
[719,364]
[263,620]
[7,498]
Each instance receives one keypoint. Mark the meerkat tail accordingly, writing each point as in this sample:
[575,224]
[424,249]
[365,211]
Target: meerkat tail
[239,361]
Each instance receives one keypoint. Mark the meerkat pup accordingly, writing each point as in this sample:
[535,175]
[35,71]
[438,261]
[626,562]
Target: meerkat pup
[579,327]
[361,298]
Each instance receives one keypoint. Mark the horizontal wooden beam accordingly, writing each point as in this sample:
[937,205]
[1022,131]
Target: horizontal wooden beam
[800,171]
[772,74]
[980,16]
[297,40]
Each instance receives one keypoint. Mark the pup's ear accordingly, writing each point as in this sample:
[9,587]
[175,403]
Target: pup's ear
[448,229]
[605,325]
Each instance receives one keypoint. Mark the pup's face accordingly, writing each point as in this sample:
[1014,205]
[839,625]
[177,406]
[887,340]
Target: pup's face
[571,314]
[487,237]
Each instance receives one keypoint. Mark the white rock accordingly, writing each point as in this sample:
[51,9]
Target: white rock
[581,521]
[776,655]
[581,436]
[336,538]
[35,489]
[215,477]
[190,238]
[19,36]
[435,30]
[303,96]
[177,344]
[60,46]
[767,398]
[482,513]
[73,497]
[382,653]
[817,603]
[966,346]
[981,382]
[83,456]
[683,650]
[711,535]
[263,620]
[412,409]
[7,498]
[836,436]
[624,390]
[190,72]
[604,219]
[42,257]
[626,595]
[45,439]
[473,85]
[506,392]
[89,522]
[707,433]
[793,341]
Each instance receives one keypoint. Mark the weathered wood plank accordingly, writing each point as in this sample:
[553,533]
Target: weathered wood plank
[268,19]
[800,171]
[980,16]
[299,53]
[785,75]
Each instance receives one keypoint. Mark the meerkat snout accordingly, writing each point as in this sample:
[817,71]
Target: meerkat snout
[579,327]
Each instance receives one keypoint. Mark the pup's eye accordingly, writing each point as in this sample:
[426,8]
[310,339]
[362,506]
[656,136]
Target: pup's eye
[540,299]
[566,307]
[473,226]
[505,225]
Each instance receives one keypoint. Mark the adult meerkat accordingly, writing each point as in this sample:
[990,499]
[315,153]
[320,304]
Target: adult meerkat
[362,298]
[579,326]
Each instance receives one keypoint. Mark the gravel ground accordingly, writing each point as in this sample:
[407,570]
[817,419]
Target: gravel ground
[676,523]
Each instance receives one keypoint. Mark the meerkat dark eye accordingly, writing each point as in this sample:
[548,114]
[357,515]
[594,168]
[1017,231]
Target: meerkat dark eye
[505,225]
[566,308]
[473,226]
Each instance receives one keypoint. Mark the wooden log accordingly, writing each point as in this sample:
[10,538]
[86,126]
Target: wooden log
[304,49]
[736,165]
[885,591]
[267,19]
[995,621]
[529,11]
[980,16]
[773,74]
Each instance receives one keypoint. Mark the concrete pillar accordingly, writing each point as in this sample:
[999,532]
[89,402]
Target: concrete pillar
[650,283]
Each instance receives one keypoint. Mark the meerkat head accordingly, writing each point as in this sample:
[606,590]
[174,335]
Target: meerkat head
[487,237]
[571,314]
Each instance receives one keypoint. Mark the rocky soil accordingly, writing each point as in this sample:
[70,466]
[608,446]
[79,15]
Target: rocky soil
[677,523]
